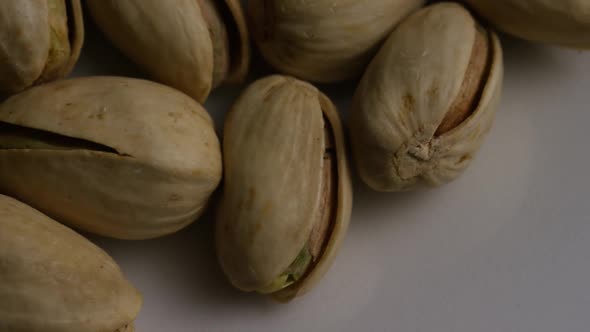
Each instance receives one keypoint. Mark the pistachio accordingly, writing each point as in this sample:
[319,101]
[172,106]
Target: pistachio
[40,41]
[191,45]
[287,194]
[562,22]
[427,101]
[324,40]
[54,280]
[219,38]
[119,157]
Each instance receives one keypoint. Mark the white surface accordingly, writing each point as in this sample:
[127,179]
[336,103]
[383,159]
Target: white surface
[505,248]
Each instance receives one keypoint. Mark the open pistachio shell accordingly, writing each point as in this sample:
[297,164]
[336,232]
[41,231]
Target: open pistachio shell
[40,41]
[54,280]
[324,40]
[119,157]
[287,194]
[562,22]
[427,101]
[191,45]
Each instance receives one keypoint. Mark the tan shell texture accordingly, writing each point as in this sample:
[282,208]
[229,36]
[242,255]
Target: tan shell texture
[54,280]
[324,40]
[407,92]
[159,163]
[174,42]
[35,45]
[562,22]
[273,151]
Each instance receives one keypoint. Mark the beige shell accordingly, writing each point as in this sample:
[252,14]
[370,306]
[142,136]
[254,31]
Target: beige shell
[156,162]
[324,40]
[38,43]
[407,92]
[273,151]
[179,42]
[563,22]
[54,280]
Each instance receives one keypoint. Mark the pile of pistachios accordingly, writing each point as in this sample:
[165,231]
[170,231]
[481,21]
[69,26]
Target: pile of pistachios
[133,159]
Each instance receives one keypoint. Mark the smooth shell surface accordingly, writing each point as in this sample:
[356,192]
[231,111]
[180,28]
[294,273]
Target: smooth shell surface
[54,280]
[406,93]
[23,59]
[25,42]
[164,165]
[273,150]
[171,40]
[324,40]
[562,22]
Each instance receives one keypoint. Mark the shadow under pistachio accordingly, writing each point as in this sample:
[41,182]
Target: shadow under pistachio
[530,56]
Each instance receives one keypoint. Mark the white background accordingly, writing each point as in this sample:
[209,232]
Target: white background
[504,248]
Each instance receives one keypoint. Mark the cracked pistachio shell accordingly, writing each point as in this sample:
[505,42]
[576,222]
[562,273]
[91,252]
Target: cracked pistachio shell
[151,163]
[422,75]
[54,280]
[190,45]
[40,41]
[324,40]
[562,22]
[274,145]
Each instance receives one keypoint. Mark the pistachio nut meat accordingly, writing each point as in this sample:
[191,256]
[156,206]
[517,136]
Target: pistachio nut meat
[54,280]
[324,40]
[40,41]
[191,45]
[562,22]
[119,157]
[287,196]
[427,101]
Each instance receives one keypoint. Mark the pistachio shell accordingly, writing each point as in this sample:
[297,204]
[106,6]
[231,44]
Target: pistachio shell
[22,59]
[273,158]
[54,280]
[563,22]
[407,92]
[219,38]
[40,40]
[59,43]
[324,40]
[156,163]
[177,42]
